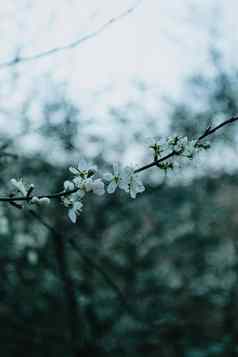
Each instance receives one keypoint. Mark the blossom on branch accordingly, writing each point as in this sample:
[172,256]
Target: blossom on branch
[19,185]
[97,186]
[114,178]
[75,210]
[157,145]
[68,186]
[84,169]
[131,182]
[83,182]
[126,179]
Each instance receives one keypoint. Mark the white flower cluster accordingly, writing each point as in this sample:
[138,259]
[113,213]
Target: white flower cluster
[19,186]
[84,181]
[158,145]
[180,145]
[124,178]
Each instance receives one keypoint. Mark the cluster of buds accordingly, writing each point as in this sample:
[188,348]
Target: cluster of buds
[179,145]
[22,189]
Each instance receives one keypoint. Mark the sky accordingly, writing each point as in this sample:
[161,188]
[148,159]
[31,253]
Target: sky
[157,43]
[158,47]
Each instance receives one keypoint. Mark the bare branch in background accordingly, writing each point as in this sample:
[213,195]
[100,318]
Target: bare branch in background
[160,326]
[17,60]
[67,281]
[97,267]
[70,291]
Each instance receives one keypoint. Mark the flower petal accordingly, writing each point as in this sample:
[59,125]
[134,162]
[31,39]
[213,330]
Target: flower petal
[73,170]
[108,176]
[112,187]
[68,185]
[72,215]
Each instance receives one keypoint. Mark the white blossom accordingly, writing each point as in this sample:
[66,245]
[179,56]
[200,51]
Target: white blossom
[182,145]
[83,185]
[131,182]
[67,201]
[157,144]
[73,202]
[98,187]
[174,142]
[19,185]
[84,169]
[68,185]
[190,149]
[75,210]
[113,179]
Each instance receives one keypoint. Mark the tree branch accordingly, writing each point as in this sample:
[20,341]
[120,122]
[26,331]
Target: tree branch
[57,195]
[69,289]
[68,283]
[17,60]
[91,263]
[206,133]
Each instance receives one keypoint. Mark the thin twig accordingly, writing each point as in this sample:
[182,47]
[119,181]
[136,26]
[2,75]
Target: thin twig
[206,133]
[210,130]
[17,60]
